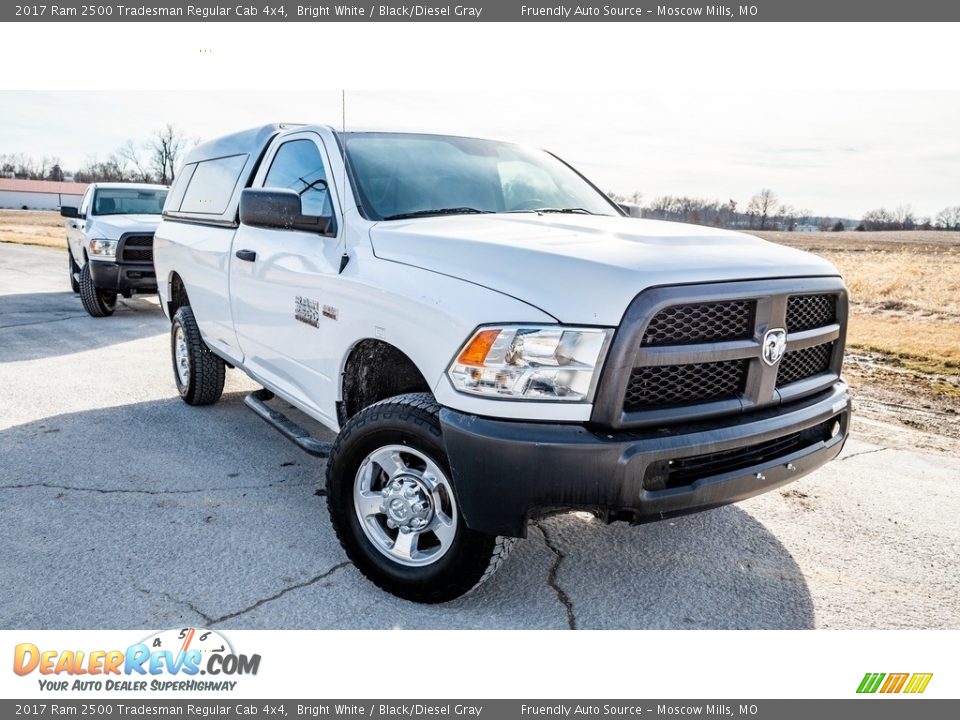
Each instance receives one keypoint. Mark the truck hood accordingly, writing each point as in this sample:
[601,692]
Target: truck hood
[584,269]
[113,226]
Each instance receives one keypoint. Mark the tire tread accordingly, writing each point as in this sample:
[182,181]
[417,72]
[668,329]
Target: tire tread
[90,295]
[207,370]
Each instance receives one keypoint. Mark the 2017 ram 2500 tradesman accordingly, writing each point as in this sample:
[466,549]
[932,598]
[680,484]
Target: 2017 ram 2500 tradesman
[492,340]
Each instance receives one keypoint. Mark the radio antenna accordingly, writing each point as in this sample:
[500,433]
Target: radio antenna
[345,258]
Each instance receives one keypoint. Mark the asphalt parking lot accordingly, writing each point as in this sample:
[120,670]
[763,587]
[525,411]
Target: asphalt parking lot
[122,507]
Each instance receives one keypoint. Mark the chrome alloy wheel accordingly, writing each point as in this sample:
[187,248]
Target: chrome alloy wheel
[181,356]
[405,505]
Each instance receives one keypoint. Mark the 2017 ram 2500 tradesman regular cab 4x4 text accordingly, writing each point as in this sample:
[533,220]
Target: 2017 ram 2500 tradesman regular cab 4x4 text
[492,340]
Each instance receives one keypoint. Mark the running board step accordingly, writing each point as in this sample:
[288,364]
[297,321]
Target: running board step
[256,401]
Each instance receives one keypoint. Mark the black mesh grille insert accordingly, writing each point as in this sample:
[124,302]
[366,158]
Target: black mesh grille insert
[681,472]
[138,249]
[679,384]
[801,364]
[701,322]
[805,312]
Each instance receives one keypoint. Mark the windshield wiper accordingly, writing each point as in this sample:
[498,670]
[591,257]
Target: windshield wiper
[568,211]
[438,211]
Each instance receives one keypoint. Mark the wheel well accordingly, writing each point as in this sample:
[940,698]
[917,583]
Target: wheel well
[178,295]
[374,371]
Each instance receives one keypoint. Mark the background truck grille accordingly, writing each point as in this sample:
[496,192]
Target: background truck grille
[138,248]
[805,312]
[701,322]
[666,385]
[802,364]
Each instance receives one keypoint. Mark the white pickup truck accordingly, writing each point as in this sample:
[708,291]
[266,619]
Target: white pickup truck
[492,340]
[110,243]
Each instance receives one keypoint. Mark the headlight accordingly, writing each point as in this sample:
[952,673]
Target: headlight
[531,363]
[102,248]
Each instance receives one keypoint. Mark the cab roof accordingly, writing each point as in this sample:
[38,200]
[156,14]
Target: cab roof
[246,142]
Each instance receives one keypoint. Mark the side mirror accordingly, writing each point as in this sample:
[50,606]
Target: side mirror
[69,212]
[280,209]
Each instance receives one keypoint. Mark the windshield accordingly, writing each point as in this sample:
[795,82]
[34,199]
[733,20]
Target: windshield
[128,201]
[399,175]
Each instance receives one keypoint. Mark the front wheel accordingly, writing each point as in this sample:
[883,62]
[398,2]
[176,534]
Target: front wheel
[98,303]
[394,508]
[199,373]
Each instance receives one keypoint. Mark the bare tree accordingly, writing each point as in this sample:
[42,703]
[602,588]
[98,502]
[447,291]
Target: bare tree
[949,218]
[165,148]
[904,217]
[762,205]
[788,218]
[109,170]
[130,154]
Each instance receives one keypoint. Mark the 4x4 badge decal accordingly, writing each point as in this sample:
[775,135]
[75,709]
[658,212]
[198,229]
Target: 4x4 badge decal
[307,311]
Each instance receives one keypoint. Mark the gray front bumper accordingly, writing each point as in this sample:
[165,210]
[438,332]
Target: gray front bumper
[504,472]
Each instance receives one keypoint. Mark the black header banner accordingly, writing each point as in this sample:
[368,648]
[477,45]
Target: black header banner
[483,11]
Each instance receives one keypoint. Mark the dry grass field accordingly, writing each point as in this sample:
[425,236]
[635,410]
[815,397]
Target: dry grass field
[903,341]
[32,227]
[904,290]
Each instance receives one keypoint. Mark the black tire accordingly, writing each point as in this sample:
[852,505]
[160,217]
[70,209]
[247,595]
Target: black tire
[98,303]
[206,371]
[411,420]
[74,271]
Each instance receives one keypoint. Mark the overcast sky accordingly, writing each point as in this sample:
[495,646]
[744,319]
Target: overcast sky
[830,152]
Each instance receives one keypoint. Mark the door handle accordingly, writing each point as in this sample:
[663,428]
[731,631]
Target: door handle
[248,255]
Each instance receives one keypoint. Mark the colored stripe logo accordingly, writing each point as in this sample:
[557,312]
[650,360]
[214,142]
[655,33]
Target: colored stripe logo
[912,683]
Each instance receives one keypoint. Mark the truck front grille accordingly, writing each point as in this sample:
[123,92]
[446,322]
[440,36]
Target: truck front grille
[805,312]
[670,385]
[802,364]
[686,352]
[137,248]
[701,322]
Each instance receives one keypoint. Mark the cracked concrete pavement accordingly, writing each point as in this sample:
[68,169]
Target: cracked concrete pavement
[121,507]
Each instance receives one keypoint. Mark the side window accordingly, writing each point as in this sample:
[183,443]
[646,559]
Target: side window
[212,185]
[298,166]
[179,189]
[85,202]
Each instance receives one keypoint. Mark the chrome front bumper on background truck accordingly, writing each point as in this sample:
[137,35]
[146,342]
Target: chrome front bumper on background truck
[507,472]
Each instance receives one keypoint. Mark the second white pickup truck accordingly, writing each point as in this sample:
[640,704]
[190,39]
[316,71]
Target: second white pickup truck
[492,340]
[110,243]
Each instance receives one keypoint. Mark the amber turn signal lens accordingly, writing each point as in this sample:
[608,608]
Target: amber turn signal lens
[475,353]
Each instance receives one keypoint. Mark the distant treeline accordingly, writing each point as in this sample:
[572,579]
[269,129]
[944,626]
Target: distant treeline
[765,211]
[151,161]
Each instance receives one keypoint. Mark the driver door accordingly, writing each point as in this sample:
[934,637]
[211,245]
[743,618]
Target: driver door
[76,228]
[280,280]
